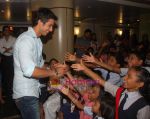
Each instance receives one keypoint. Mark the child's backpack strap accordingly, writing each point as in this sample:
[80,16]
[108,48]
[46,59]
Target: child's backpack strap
[118,95]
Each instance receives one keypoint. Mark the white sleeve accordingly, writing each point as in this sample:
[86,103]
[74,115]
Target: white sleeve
[26,56]
[144,113]
[147,68]
[123,71]
[88,110]
[112,89]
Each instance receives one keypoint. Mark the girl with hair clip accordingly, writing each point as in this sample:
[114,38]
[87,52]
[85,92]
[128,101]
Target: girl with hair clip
[132,102]
[93,96]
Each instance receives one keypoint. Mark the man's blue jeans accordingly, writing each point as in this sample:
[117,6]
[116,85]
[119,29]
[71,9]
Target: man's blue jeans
[29,107]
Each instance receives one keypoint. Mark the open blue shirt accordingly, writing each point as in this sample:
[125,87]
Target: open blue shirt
[27,55]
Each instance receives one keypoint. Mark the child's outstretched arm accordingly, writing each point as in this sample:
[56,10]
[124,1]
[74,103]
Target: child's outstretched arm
[66,92]
[107,86]
[71,78]
[92,59]
[87,71]
[69,83]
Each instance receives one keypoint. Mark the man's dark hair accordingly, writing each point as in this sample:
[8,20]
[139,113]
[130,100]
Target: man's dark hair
[43,14]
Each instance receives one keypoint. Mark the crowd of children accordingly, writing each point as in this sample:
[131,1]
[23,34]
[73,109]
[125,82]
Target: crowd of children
[113,83]
[89,88]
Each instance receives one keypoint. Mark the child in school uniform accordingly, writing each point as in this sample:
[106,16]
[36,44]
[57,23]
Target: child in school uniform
[81,85]
[135,59]
[93,97]
[101,108]
[114,60]
[132,103]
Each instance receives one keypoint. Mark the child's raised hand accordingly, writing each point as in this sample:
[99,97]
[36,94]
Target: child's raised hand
[70,57]
[90,58]
[78,67]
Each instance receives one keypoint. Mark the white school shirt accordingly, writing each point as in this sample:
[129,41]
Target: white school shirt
[132,97]
[27,55]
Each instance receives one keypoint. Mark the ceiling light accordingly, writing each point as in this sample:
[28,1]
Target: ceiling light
[76,30]
[119,32]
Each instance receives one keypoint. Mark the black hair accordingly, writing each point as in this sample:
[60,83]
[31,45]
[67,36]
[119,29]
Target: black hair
[44,55]
[87,31]
[81,74]
[43,14]
[89,50]
[138,54]
[4,27]
[53,59]
[143,76]
[107,107]
[119,58]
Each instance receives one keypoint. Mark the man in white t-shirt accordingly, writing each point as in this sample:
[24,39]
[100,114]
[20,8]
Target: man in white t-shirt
[6,49]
